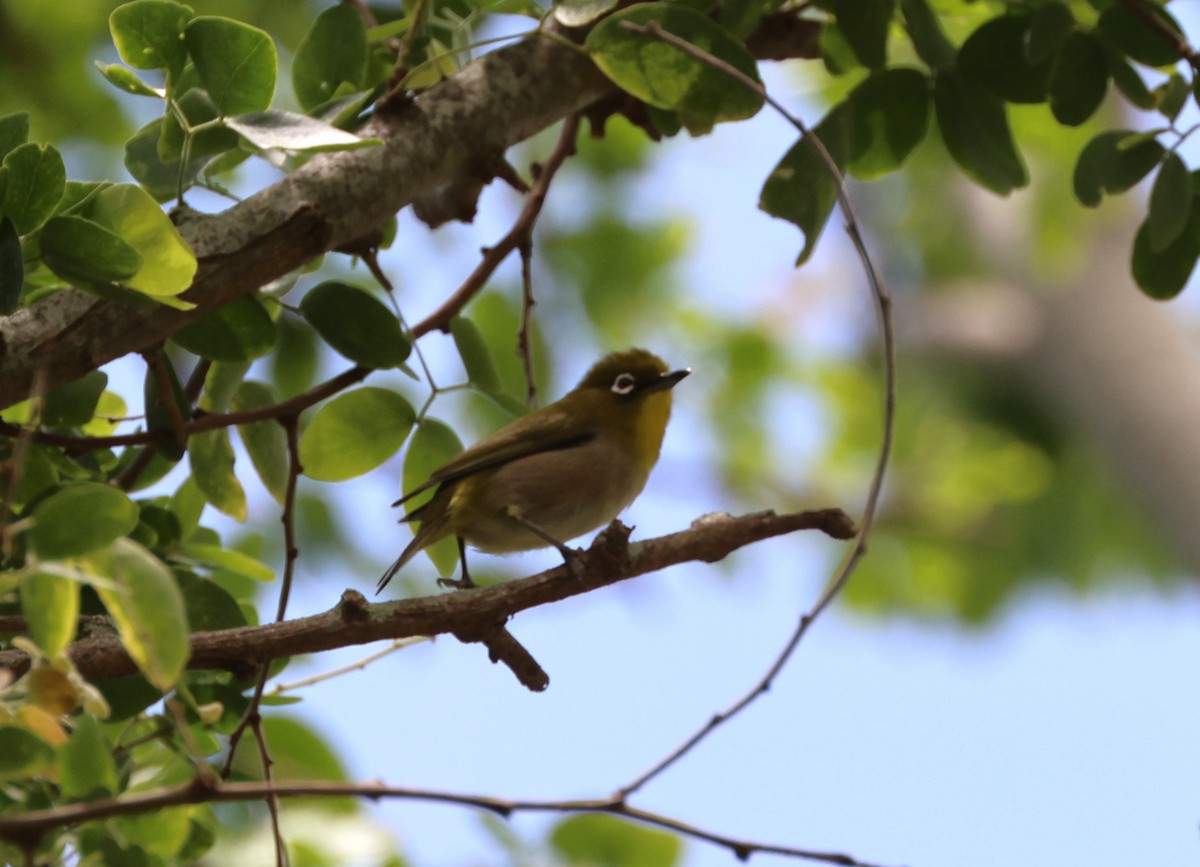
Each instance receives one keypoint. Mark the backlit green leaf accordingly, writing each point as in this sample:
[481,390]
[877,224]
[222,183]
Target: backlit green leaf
[50,604]
[22,753]
[1105,166]
[668,78]
[124,78]
[80,518]
[354,433]
[229,560]
[605,841]
[356,324]
[475,355]
[236,62]
[73,404]
[140,593]
[211,458]
[333,51]
[14,131]
[265,441]
[85,253]
[974,126]
[148,34]
[433,443]
[85,762]
[36,179]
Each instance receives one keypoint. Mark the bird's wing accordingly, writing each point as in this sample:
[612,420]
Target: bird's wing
[543,430]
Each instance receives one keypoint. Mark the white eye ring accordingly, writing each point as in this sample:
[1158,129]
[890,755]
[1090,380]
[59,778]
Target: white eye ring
[624,383]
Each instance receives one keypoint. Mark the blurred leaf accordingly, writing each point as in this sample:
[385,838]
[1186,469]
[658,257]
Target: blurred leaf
[1105,166]
[354,433]
[1127,80]
[50,604]
[666,77]
[1163,273]
[579,13]
[74,404]
[12,267]
[604,841]
[1171,96]
[211,458]
[241,330]
[476,357]
[140,593]
[925,31]
[229,560]
[123,78]
[1049,26]
[236,62]
[158,407]
[1127,31]
[80,518]
[127,696]
[286,130]
[1079,81]
[974,126]
[356,324]
[890,115]
[800,189]
[160,834]
[147,34]
[865,25]
[265,441]
[160,179]
[86,769]
[36,179]
[333,51]
[209,606]
[84,252]
[22,753]
[14,131]
[994,55]
[433,444]
[1170,203]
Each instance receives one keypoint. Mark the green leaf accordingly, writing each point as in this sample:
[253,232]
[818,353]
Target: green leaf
[354,433]
[865,25]
[604,841]
[140,593]
[1127,80]
[1170,203]
[668,78]
[160,179]
[974,126]
[1105,166]
[14,131]
[580,13]
[229,560]
[50,604]
[433,444]
[158,410]
[890,115]
[236,62]
[168,264]
[1171,96]
[211,458]
[209,605]
[356,324]
[1126,30]
[86,253]
[123,78]
[925,31]
[207,139]
[73,404]
[86,768]
[148,34]
[159,834]
[36,181]
[22,753]
[994,55]
[476,357]
[286,130]
[12,267]
[1079,81]
[221,383]
[241,330]
[265,441]
[800,189]
[1163,273]
[80,518]
[1049,26]
[332,52]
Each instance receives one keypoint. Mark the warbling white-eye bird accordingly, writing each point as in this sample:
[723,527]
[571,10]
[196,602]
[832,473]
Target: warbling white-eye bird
[554,474]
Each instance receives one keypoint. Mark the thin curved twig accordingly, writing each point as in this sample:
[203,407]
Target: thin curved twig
[883,303]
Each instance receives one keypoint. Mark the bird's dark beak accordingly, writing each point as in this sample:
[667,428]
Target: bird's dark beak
[667,380]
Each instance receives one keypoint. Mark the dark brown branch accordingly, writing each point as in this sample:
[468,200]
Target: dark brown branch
[355,621]
[28,827]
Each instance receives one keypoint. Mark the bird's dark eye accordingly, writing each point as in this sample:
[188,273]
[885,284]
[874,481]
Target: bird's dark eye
[624,383]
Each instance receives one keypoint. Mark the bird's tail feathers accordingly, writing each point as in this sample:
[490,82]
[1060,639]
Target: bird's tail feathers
[429,532]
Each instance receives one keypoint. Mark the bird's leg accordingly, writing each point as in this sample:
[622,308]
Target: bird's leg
[570,555]
[465,582]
